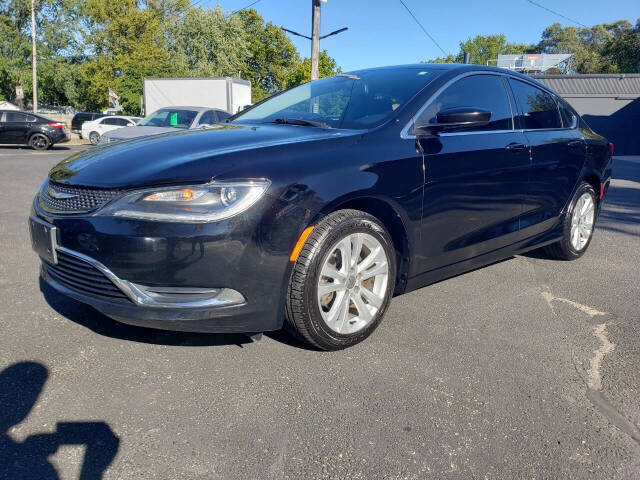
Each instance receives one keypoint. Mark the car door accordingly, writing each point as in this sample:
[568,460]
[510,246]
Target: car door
[107,124]
[474,178]
[557,156]
[17,126]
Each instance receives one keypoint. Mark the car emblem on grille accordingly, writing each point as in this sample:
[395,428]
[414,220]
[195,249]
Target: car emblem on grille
[61,195]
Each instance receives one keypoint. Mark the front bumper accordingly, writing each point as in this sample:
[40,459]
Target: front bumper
[245,257]
[216,318]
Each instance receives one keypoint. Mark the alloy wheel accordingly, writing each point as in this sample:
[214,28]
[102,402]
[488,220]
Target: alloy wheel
[39,141]
[582,221]
[352,283]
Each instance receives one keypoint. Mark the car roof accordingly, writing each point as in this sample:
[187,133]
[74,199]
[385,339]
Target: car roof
[198,109]
[455,68]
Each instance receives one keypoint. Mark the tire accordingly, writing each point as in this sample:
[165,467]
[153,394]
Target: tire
[567,248]
[39,141]
[325,321]
[94,138]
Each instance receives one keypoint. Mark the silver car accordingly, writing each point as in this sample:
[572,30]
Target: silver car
[167,120]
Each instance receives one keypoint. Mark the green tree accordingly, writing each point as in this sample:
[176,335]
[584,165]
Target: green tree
[301,70]
[128,43]
[605,48]
[271,55]
[485,48]
[56,43]
[204,43]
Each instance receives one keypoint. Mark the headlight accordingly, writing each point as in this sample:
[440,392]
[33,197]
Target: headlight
[199,203]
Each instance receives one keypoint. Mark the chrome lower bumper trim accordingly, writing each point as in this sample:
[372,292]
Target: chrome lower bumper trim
[165,297]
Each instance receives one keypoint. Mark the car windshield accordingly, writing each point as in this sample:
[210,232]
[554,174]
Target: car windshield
[167,117]
[355,101]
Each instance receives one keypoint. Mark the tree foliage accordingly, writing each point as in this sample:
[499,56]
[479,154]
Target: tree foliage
[86,47]
[485,49]
[606,48]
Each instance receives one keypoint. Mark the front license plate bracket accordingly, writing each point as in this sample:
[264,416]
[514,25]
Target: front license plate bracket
[43,239]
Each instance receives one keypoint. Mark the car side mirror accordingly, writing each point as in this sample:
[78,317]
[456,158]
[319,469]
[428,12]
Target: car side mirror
[451,119]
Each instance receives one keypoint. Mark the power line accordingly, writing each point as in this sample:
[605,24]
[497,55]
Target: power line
[556,13]
[244,8]
[422,27]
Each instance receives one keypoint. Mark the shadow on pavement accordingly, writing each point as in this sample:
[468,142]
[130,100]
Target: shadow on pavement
[92,319]
[27,148]
[20,387]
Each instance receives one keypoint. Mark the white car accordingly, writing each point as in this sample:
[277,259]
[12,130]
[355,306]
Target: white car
[94,129]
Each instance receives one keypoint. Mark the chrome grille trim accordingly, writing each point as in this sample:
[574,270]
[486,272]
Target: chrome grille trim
[105,281]
[83,277]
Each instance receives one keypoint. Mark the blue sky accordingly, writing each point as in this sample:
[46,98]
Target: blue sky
[381,32]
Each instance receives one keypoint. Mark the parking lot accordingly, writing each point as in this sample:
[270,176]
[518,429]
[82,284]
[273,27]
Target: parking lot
[528,368]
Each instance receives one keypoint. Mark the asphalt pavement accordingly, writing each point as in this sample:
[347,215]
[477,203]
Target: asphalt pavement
[528,368]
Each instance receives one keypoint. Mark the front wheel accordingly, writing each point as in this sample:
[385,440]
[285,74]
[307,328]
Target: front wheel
[94,138]
[39,141]
[342,281]
[578,225]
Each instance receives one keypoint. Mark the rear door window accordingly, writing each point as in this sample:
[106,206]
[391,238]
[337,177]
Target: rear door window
[538,108]
[207,118]
[486,92]
[111,121]
[16,117]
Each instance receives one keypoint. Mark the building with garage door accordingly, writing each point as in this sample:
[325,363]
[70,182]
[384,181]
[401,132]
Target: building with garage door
[610,104]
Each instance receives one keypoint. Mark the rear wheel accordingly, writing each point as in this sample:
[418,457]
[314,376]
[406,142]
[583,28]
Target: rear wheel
[342,281]
[578,225]
[94,138]
[39,141]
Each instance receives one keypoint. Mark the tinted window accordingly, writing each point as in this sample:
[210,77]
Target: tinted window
[485,92]
[19,117]
[222,115]
[111,121]
[568,117]
[361,100]
[539,109]
[207,118]
[170,118]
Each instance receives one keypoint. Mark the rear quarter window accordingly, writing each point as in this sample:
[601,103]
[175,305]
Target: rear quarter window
[539,108]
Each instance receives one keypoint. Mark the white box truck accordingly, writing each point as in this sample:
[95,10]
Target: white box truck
[229,94]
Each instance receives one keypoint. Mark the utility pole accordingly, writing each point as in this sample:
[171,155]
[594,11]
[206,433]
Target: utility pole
[33,56]
[315,37]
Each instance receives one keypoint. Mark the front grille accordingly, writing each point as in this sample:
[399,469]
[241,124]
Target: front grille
[76,274]
[80,199]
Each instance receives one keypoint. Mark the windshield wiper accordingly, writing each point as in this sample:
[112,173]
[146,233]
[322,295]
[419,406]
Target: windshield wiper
[301,121]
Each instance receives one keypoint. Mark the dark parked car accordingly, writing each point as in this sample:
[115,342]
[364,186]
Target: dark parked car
[168,120]
[81,117]
[313,208]
[25,128]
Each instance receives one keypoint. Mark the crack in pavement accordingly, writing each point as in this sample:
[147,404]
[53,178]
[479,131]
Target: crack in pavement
[594,382]
[595,378]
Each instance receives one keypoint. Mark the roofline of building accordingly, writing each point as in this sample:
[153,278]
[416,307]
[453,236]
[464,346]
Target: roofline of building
[591,75]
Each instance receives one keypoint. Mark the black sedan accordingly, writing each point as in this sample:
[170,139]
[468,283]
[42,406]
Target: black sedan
[25,128]
[312,209]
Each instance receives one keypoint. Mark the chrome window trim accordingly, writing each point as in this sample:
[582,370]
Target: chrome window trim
[475,132]
[404,133]
[136,293]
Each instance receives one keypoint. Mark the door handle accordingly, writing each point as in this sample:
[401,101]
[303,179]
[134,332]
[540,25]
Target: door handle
[516,147]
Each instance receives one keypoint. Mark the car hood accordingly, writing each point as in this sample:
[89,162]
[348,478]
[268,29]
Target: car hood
[125,133]
[181,157]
